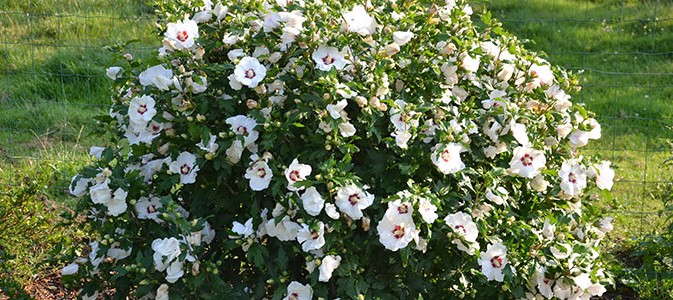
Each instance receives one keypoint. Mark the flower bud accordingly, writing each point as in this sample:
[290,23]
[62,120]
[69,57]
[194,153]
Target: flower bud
[200,117]
[128,56]
[361,101]
[251,103]
[366,223]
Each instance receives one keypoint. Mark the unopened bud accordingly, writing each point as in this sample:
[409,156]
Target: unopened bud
[251,103]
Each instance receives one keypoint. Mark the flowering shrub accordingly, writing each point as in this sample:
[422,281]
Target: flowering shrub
[304,149]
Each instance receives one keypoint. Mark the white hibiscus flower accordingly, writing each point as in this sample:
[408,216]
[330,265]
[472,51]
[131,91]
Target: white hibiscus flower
[428,210]
[402,37]
[113,72]
[326,58]
[249,71]
[211,146]
[573,178]
[311,238]
[148,209]
[447,158]
[117,204]
[258,173]
[244,126]
[493,261]
[186,166]
[527,162]
[351,200]
[327,267]
[462,225]
[296,172]
[158,76]
[243,230]
[359,21]
[312,201]
[181,34]
[298,291]
[165,251]
[78,185]
[603,174]
[141,111]
[285,230]
[397,229]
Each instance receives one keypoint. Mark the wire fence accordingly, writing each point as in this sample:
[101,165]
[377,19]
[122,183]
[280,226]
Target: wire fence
[52,79]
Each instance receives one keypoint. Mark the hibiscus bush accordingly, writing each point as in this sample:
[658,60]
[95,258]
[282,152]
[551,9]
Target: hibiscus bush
[335,149]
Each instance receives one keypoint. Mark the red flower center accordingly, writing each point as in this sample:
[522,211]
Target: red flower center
[261,172]
[572,177]
[446,155]
[496,262]
[182,36]
[151,209]
[242,130]
[250,73]
[460,228]
[142,108]
[294,175]
[294,296]
[315,235]
[354,199]
[527,160]
[403,209]
[398,231]
[184,169]
[328,60]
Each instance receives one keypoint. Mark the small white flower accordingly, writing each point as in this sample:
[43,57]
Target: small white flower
[331,211]
[527,162]
[604,175]
[249,71]
[469,63]
[298,291]
[148,208]
[605,224]
[336,110]
[580,138]
[311,239]
[243,230]
[402,37]
[157,76]
[113,72]
[296,172]
[397,229]
[181,34]
[493,261]
[141,110]
[427,210]
[244,126]
[117,204]
[560,251]
[573,178]
[259,173]
[359,21]
[165,251]
[544,284]
[207,233]
[462,225]
[115,252]
[351,200]
[174,271]
[78,185]
[186,166]
[285,230]
[211,146]
[100,193]
[447,158]
[162,292]
[313,202]
[346,129]
[548,229]
[326,58]
[70,269]
[538,183]
[327,267]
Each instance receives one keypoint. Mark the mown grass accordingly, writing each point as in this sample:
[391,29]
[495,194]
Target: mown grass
[52,83]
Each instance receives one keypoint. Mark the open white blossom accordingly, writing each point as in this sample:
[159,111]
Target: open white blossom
[402,37]
[243,230]
[258,173]
[298,291]
[244,126]
[326,58]
[493,261]
[359,21]
[428,210]
[181,34]
[327,267]
[285,230]
[186,166]
[397,229]
[351,200]
[158,76]
[113,72]
[141,111]
[527,162]
[312,201]
[249,72]
[148,208]
[296,172]
[467,231]
[447,158]
[311,239]
[573,178]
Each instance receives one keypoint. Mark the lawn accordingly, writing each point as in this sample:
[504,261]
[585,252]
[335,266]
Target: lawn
[52,82]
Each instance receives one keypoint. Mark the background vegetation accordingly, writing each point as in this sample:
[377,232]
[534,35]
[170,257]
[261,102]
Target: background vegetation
[52,83]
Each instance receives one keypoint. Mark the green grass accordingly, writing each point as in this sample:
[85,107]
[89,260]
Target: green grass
[52,82]
[624,49]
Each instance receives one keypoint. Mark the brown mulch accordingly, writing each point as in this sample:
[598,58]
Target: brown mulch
[49,287]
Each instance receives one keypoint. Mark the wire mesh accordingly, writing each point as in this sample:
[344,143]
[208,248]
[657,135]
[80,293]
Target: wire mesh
[53,62]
